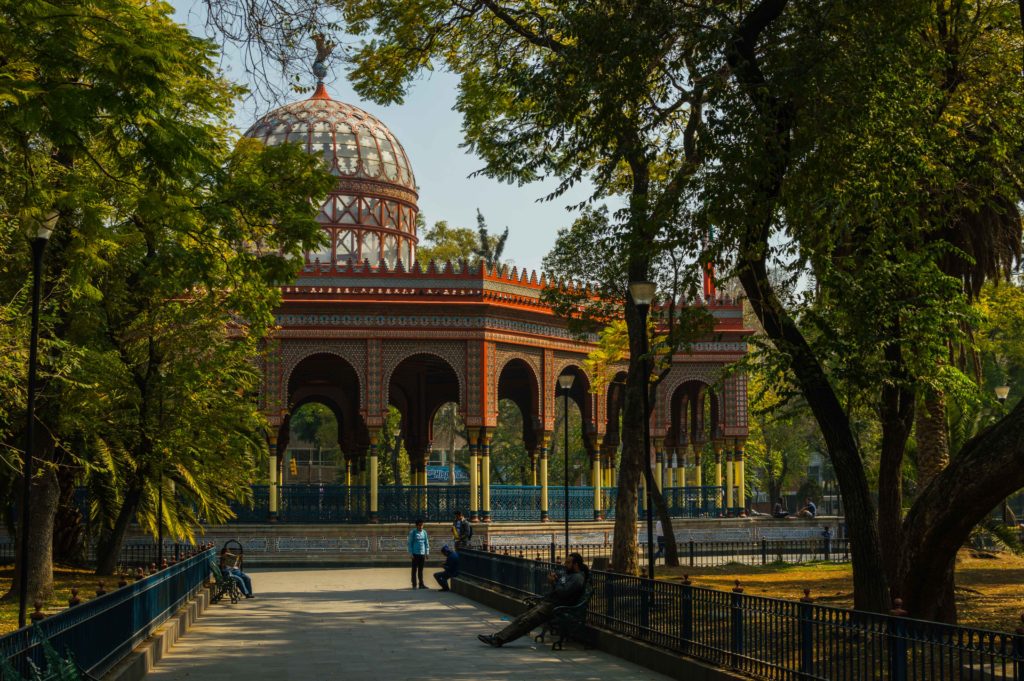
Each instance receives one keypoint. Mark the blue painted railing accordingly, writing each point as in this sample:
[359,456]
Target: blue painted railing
[98,633]
[769,638]
[515,503]
[317,503]
[433,503]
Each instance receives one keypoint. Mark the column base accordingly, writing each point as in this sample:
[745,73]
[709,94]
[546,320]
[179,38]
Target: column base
[598,515]
[272,517]
[474,517]
[374,519]
[485,517]
[544,517]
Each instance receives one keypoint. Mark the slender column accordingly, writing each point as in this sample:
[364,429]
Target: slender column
[717,445]
[659,464]
[474,479]
[612,451]
[729,481]
[348,472]
[272,479]
[741,476]
[681,467]
[533,467]
[698,471]
[596,475]
[374,479]
[485,474]
[545,448]
[451,467]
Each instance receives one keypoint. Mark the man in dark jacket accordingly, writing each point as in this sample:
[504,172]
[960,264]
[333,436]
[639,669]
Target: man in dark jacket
[451,567]
[565,590]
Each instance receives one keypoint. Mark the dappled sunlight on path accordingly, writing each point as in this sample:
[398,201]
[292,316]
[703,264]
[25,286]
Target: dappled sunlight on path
[362,623]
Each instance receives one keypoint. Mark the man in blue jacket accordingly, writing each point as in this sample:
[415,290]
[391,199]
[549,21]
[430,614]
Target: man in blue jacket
[419,549]
[451,567]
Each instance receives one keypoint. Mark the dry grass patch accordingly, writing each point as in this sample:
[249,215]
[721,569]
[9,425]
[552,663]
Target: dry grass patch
[988,586]
[64,579]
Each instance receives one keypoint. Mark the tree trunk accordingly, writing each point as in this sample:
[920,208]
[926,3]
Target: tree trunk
[671,550]
[897,417]
[932,437]
[45,495]
[108,548]
[977,479]
[624,547]
[68,531]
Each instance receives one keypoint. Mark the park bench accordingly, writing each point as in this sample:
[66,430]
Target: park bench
[568,621]
[223,585]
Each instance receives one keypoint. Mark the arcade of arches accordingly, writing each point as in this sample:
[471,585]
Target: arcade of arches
[365,327]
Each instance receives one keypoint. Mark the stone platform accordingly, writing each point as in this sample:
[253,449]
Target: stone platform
[282,544]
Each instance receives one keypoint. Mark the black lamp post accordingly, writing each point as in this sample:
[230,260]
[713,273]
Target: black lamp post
[565,383]
[38,230]
[642,293]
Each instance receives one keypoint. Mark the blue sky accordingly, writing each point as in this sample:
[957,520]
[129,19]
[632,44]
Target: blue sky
[430,131]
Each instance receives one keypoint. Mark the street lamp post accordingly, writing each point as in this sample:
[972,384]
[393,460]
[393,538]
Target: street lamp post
[642,293]
[565,383]
[1002,392]
[38,230]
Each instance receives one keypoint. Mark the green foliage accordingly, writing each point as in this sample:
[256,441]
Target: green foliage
[442,244]
[163,269]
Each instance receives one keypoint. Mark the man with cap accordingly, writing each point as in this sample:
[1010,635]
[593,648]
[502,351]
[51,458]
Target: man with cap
[450,567]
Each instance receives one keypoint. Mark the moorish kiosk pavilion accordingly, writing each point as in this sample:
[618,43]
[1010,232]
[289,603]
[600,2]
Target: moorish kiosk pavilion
[366,326]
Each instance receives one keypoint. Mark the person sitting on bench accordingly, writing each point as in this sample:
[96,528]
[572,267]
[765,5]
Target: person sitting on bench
[229,566]
[565,590]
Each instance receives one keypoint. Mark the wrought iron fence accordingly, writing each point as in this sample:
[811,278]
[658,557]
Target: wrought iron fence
[433,503]
[99,632]
[770,638]
[694,502]
[698,554]
[259,511]
[323,503]
[581,503]
[514,502]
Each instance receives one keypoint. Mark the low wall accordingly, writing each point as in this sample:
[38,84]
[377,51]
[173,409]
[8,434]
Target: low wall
[385,544]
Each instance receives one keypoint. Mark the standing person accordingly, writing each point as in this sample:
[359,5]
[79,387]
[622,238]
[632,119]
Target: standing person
[462,531]
[565,590]
[659,534]
[419,549]
[451,567]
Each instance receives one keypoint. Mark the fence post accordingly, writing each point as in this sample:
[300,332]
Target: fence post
[686,612]
[1018,652]
[645,601]
[737,623]
[551,557]
[764,551]
[897,635]
[806,616]
[693,554]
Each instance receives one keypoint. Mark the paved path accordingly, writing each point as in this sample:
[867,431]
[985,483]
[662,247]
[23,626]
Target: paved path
[359,624]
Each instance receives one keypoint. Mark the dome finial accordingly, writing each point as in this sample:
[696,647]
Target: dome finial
[323,51]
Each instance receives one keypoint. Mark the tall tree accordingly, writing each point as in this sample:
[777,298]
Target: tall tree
[162,270]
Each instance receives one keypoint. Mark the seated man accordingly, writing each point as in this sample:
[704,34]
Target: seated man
[780,510]
[451,567]
[809,510]
[565,590]
[228,565]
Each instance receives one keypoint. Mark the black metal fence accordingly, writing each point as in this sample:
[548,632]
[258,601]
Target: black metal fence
[700,554]
[770,638]
[134,553]
[99,632]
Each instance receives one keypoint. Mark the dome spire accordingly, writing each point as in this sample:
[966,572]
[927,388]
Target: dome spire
[323,51]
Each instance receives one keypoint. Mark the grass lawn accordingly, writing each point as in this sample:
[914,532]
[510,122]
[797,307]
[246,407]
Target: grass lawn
[64,578]
[989,590]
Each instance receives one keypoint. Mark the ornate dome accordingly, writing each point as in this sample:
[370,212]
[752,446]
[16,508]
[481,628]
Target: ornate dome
[371,213]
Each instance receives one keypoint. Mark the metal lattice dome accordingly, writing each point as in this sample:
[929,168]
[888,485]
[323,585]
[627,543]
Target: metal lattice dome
[371,213]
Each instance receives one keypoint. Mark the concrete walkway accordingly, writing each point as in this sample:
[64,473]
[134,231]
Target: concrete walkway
[362,623]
